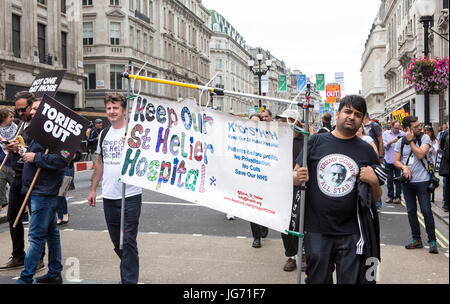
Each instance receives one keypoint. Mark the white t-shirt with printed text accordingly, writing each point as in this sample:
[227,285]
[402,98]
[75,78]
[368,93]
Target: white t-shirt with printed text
[112,153]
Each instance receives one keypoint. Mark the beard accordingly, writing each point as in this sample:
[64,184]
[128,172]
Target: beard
[348,127]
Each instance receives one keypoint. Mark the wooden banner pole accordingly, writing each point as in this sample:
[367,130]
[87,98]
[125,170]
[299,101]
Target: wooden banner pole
[19,215]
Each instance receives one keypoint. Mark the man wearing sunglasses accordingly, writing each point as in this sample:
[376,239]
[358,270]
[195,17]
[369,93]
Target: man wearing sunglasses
[23,101]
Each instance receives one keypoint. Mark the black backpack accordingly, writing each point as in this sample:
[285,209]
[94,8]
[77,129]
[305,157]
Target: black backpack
[102,138]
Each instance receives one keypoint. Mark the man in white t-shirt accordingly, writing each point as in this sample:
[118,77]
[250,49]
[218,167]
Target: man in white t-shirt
[108,166]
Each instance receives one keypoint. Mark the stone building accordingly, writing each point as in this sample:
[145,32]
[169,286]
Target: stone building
[229,58]
[36,36]
[166,39]
[404,41]
[372,63]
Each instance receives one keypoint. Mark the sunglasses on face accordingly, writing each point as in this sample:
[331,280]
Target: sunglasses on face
[22,110]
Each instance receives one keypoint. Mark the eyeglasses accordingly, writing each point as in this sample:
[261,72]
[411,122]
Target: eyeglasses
[22,110]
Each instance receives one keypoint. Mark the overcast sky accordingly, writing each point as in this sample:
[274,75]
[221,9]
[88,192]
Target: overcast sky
[315,37]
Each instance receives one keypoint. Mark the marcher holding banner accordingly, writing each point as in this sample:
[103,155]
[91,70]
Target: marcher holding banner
[23,102]
[341,192]
[43,207]
[110,148]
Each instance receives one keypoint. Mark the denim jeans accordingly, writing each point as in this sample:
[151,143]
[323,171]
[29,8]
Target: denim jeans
[419,190]
[393,172]
[129,257]
[42,229]
[62,207]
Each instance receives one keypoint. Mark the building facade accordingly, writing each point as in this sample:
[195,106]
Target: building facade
[167,39]
[229,58]
[372,71]
[37,36]
[404,41]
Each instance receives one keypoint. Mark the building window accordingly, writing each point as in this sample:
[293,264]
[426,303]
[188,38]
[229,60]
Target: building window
[115,33]
[16,35]
[41,43]
[64,49]
[90,81]
[88,33]
[63,6]
[87,2]
[131,5]
[116,80]
[41,1]
[218,64]
[445,4]
[114,2]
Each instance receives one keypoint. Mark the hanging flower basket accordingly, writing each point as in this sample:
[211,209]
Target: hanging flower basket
[428,75]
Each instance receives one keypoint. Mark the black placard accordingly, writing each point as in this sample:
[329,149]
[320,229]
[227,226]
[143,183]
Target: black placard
[47,83]
[58,128]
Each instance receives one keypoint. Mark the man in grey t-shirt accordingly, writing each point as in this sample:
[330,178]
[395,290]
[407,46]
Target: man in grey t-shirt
[410,156]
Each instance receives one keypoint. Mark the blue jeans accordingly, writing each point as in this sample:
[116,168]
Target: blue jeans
[42,229]
[419,190]
[129,257]
[62,207]
[393,172]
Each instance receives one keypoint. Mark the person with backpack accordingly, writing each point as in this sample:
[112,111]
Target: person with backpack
[326,123]
[410,157]
[444,166]
[110,147]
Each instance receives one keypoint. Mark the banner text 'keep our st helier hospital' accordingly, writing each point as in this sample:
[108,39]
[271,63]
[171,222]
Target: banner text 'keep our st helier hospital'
[230,164]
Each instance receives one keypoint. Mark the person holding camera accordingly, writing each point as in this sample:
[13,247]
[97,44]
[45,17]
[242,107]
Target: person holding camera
[410,157]
[390,138]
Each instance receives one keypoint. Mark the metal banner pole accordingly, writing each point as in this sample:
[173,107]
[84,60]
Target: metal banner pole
[122,209]
[303,188]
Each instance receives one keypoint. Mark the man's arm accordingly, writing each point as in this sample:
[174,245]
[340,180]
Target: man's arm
[367,175]
[96,177]
[419,152]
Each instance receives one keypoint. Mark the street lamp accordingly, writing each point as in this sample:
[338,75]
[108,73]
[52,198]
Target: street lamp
[425,9]
[259,71]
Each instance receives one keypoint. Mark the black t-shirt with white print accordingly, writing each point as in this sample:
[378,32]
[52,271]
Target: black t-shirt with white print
[334,165]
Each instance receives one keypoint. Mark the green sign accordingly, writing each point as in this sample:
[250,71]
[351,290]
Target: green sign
[282,83]
[320,82]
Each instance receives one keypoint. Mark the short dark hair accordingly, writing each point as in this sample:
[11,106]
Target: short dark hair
[356,101]
[408,120]
[255,114]
[268,111]
[4,114]
[24,95]
[326,117]
[116,97]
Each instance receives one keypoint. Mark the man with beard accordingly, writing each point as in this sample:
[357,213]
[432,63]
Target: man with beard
[333,238]
[23,102]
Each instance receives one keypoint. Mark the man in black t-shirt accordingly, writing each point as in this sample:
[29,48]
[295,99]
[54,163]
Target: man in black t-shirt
[336,161]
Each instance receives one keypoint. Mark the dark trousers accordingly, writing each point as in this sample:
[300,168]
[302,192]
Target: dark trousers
[257,230]
[15,203]
[446,191]
[325,252]
[411,191]
[393,172]
[129,257]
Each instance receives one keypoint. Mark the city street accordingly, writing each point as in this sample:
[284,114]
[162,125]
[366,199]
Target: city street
[179,240]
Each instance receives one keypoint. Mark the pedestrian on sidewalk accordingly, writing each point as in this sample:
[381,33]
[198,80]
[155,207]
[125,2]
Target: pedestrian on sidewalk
[290,242]
[410,157]
[390,138]
[434,147]
[108,166]
[444,167]
[8,131]
[23,101]
[43,206]
[258,231]
[341,191]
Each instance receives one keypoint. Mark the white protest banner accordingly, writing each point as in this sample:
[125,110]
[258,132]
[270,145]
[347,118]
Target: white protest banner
[264,84]
[231,164]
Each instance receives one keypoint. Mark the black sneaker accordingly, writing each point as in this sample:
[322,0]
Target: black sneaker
[414,244]
[256,243]
[45,279]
